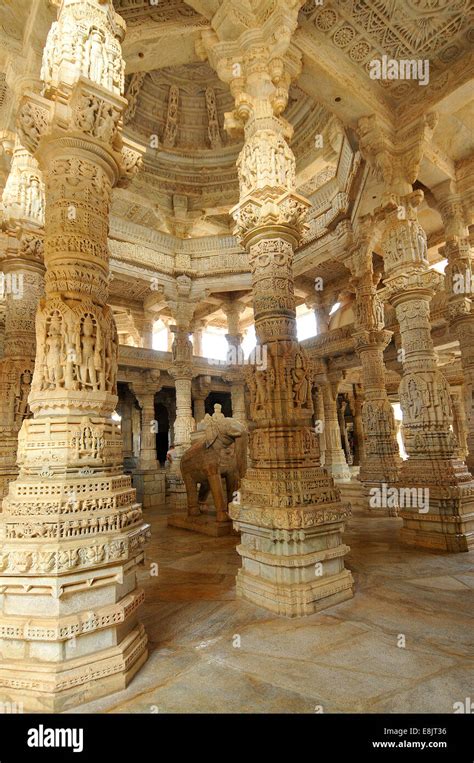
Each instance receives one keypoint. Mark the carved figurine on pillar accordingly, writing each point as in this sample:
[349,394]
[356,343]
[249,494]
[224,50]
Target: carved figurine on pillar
[283,534]
[432,466]
[70,452]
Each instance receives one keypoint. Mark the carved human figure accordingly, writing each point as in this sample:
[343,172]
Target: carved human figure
[34,201]
[94,55]
[86,114]
[21,399]
[87,368]
[300,382]
[108,124]
[53,370]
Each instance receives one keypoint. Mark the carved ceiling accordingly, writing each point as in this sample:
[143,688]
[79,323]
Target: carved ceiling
[190,161]
[438,30]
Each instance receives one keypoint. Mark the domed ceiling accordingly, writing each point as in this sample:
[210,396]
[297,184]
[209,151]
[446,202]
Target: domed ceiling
[190,162]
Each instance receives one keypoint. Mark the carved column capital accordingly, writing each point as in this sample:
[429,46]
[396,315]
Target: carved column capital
[395,153]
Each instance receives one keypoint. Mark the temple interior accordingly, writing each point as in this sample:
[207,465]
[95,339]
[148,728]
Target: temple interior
[236,355]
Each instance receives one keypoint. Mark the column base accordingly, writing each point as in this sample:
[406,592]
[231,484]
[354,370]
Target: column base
[150,485]
[448,524]
[41,687]
[297,599]
[340,472]
[294,572]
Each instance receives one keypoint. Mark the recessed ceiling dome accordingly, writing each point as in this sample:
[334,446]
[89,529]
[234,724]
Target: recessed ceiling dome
[184,106]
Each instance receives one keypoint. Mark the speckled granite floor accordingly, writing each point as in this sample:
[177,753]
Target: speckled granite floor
[345,659]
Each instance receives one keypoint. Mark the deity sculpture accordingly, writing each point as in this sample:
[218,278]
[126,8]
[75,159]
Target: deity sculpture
[94,55]
[300,382]
[88,361]
[53,365]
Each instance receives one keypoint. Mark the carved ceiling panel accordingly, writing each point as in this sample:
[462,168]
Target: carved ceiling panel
[438,30]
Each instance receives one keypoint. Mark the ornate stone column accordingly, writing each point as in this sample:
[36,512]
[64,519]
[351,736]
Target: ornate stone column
[441,514]
[290,514]
[381,461]
[334,457]
[200,392]
[321,313]
[148,478]
[145,322]
[459,285]
[459,423]
[22,287]
[235,358]
[198,329]
[124,409]
[184,424]
[356,408]
[199,408]
[71,531]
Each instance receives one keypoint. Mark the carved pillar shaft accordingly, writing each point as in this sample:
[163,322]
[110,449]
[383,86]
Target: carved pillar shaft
[237,393]
[290,515]
[147,458]
[444,518]
[71,530]
[459,283]
[380,461]
[199,409]
[459,424]
[335,460]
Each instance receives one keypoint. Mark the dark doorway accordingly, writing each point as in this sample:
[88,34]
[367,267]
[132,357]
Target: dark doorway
[162,436]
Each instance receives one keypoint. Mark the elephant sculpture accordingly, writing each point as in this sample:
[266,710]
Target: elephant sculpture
[220,452]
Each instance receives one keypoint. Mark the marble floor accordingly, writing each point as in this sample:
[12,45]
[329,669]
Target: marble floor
[212,653]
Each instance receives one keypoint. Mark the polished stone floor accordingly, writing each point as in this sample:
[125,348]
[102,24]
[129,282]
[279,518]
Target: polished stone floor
[346,659]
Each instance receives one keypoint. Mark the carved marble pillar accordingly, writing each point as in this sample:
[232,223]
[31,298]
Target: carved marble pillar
[200,391]
[145,323]
[124,409]
[146,400]
[237,394]
[459,423]
[21,288]
[433,462]
[440,512]
[199,408]
[321,313]
[71,531]
[334,457]
[459,285]
[341,408]
[197,338]
[381,462]
[284,535]
[148,478]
